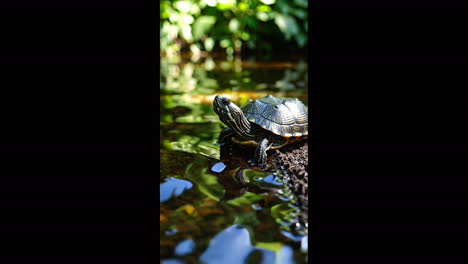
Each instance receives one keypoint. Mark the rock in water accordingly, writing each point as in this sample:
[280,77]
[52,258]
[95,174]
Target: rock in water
[293,160]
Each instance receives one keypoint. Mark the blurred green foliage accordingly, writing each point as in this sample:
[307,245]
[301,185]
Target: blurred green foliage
[231,25]
[187,120]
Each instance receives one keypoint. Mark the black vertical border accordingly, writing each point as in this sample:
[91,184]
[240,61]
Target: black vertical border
[386,138]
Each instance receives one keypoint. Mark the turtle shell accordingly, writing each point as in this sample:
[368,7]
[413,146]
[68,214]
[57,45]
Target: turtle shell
[283,117]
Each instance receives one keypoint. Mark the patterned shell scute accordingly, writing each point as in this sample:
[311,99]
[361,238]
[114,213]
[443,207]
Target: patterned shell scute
[284,117]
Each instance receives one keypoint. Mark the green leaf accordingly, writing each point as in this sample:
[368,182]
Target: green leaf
[202,25]
[194,48]
[280,21]
[210,2]
[283,7]
[268,2]
[165,10]
[174,17]
[188,19]
[263,8]
[301,3]
[300,13]
[251,22]
[234,25]
[287,25]
[194,9]
[291,25]
[224,43]
[209,44]
[166,143]
[186,32]
[301,39]
[262,16]
[226,4]
[169,32]
[242,6]
[245,36]
[182,6]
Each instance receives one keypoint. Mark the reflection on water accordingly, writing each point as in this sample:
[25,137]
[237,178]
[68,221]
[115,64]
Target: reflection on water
[172,188]
[233,245]
[209,209]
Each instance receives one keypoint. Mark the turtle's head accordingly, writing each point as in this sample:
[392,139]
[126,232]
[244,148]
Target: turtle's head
[231,115]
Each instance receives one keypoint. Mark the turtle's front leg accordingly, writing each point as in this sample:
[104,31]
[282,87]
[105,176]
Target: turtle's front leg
[260,155]
[225,135]
[225,143]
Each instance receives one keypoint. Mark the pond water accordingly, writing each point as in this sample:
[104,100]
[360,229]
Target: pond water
[210,211]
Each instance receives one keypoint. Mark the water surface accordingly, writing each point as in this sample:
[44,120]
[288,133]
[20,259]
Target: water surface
[211,211]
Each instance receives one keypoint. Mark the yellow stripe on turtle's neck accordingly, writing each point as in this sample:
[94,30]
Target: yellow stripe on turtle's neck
[248,142]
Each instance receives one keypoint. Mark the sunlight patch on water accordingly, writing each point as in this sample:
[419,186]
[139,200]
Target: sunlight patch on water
[192,144]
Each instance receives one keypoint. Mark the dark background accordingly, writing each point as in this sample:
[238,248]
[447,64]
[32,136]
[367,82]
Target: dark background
[79,126]
[386,114]
[79,121]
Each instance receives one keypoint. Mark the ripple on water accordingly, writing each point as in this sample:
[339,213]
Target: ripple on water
[256,207]
[271,179]
[171,231]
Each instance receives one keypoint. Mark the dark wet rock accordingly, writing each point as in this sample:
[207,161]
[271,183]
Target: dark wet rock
[290,160]
[293,159]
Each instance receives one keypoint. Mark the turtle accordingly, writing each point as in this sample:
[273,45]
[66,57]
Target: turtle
[265,123]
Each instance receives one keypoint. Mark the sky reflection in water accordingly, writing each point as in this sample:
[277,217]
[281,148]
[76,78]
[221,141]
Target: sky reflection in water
[172,188]
[233,246]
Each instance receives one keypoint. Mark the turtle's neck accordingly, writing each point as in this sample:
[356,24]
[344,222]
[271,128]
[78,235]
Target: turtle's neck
[242,127]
